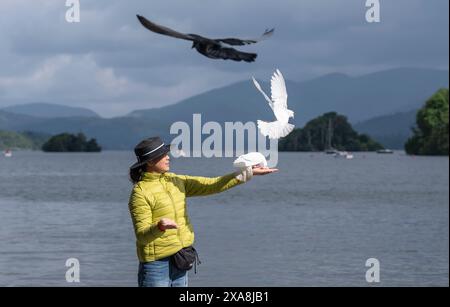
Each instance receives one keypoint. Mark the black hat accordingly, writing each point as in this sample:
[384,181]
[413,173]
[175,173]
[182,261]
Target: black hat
[148,150]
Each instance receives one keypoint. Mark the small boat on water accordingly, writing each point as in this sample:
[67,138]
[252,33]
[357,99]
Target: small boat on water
[344,154]
[331,151]
[385,151]
[7,153]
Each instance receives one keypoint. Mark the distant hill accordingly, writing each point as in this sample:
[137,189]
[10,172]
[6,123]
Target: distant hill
[116,133]
[14,140]
[47,110]
[359,98]
[391,130]
[26,140]
[326,132]
[15,122]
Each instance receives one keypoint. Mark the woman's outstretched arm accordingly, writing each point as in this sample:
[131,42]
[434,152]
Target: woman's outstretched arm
[202,186]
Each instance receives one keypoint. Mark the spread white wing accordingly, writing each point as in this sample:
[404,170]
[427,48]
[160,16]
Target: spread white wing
[258,87]
[278,88]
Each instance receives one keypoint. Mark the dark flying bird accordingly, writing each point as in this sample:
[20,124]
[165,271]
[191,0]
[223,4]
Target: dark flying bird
[211,48]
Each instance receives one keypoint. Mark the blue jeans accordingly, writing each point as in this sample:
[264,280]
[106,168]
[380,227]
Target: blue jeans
[161,273]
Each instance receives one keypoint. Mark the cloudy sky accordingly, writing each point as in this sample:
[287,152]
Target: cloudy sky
[109,63]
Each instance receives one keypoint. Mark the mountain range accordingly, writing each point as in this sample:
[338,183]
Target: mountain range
[47,110]
[369,101]
[390,130]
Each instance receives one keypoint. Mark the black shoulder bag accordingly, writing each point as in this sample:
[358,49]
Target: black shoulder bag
[186,258]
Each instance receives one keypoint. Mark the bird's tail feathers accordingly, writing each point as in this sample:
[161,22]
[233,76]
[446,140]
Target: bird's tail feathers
[247,57]
[287,129]
[240,56]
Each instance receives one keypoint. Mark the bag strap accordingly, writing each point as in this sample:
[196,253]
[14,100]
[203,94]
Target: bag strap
[197,260]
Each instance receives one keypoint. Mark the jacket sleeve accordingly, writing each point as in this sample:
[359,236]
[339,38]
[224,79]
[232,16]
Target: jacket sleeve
[202,186]
[141,215]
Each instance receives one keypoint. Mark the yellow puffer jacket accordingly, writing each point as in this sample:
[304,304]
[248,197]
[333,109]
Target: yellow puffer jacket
[159,196]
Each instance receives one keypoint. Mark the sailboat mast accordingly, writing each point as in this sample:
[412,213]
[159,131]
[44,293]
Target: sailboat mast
[329,134]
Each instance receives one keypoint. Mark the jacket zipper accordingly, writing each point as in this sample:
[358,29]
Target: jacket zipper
[175,212]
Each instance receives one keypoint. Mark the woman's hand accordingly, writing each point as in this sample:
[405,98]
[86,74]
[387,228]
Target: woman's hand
[259,170]
[165,223]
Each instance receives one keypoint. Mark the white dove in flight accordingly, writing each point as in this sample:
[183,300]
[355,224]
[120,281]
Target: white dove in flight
[281,127]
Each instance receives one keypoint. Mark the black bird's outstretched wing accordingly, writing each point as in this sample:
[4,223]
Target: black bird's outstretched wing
[232,54]
[163,30]
[241,42]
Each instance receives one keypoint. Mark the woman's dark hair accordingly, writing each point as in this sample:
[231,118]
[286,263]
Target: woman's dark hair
[136,173]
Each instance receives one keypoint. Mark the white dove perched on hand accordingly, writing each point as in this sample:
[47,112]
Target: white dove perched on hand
[250,159]
[253,163]
[281,127]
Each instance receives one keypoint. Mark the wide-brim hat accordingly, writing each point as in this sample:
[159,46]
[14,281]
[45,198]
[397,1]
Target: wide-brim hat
[148,150]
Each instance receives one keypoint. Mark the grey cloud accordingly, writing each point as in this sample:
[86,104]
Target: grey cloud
[113,65]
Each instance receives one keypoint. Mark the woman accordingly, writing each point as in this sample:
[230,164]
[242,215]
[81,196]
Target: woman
[158,211]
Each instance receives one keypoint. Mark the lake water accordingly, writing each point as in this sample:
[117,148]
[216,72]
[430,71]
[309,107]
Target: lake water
[315,223]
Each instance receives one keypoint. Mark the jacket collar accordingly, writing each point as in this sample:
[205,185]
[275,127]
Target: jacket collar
[151,176]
